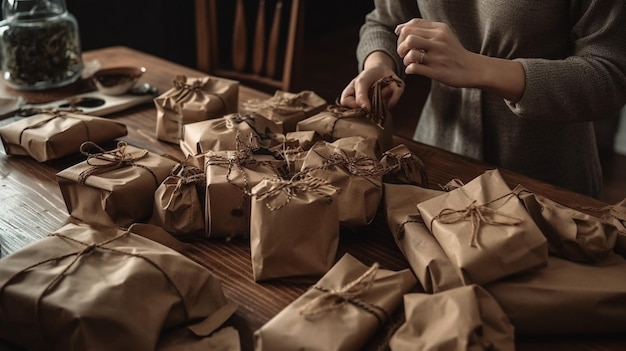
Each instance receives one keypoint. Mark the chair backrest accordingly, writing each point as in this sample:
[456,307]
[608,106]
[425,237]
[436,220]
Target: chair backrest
[257,42]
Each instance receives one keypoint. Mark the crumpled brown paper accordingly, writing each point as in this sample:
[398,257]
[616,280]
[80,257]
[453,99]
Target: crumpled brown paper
[100,288]
[404,167]
[113,187]
[341,312]
[485,230]
[287,109]
[460,319]
[193,100]
[350,164]
[52,134]
[427,259]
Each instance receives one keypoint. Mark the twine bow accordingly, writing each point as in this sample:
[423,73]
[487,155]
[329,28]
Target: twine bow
[332,299]
[343,112]
[359,166]
[106,161]
[197,87]
[476,214]
[284,190]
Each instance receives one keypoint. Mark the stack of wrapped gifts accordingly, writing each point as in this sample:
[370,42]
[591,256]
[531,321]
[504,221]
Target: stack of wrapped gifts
[289,174]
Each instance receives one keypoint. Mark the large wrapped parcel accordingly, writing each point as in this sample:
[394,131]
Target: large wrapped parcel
[101,288]
[341,312]
[52,134]
[114,187]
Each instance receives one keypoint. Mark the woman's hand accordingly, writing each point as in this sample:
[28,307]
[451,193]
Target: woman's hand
[378,65]
[431,49]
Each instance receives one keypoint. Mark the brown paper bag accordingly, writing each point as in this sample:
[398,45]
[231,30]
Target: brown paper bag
[566,298]
[193,100]
[571,234]
[341,312]
[221,134]
[230,177]
[100,288]
[404,167]
[427,259]
[294,228]
[485,230]
[179,202]
[460,319]
[287,109]
[349,164]
[52,134]
[113,188]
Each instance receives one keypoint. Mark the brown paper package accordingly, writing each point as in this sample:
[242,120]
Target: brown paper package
[53,134]
[486,231]
[117,197]
[192,100]
[324,321]
[294,228]
[100,288]
[460,319]
[404,167]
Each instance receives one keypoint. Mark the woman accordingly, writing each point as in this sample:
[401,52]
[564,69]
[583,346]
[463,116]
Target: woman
[515,83]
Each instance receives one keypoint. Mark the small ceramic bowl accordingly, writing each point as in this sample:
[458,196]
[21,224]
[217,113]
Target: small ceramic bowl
[117,80]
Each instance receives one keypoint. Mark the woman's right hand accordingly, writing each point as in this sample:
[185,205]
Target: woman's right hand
[357,94]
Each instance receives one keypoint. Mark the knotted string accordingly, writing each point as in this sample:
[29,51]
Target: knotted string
[106,161]
[364,166]
[197,87]
[53,114]
[409,164]
[412,218]
[380,112]
[290,188]
[332,299]
[476,214]
[78,254]
[343,112]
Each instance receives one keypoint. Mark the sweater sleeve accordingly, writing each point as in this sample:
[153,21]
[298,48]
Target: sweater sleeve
[590,84]
[377,33]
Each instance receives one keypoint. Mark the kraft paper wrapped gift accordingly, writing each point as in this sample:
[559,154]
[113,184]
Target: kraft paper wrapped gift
[100,288]
[460,319]
[294,228]
[287,109]
[114,187]
[341,312]
[223,134]
[485,230]
[179,202]
[350,164]
[193,100]
[230,177]
[571,234]
[427,259]
[404,167]
[566,298]
[52,134]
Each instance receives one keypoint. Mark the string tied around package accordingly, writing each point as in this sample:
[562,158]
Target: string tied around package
[409,165]
[477,214]
[283,191]
[364,166]
[54,113]
[332,299]
[105,161]
[412,218]
[341,112]
[185,91]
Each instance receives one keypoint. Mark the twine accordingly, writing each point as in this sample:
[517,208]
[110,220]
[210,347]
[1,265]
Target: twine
[332,299]
[54,114]
[185,89]
[414,218]
[379,112]
[364,166]
[476,214]
[409,164]
[342,112]
[292,187]
[106,161]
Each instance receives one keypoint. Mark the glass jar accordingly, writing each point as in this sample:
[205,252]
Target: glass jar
[39,44]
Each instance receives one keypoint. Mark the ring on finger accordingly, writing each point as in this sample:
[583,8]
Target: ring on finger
[422,54]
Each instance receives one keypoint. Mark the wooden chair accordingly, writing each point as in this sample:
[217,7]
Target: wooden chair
[257,42]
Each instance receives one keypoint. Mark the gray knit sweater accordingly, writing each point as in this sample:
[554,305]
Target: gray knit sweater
[574,56]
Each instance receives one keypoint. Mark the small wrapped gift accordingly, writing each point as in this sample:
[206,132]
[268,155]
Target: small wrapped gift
[349,163]
[566,298]
[193,100]
[179,202]
[485,230]
[465,318]
[427,259]
[287,109]
[113,188]
[571,234]
[101,288]
[294,228]
[51,134]
[341,312]
[404,167]
[221,134]
[294,150]
[230,177]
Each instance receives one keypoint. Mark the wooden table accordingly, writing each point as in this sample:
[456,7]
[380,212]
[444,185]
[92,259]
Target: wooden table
[31,206]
